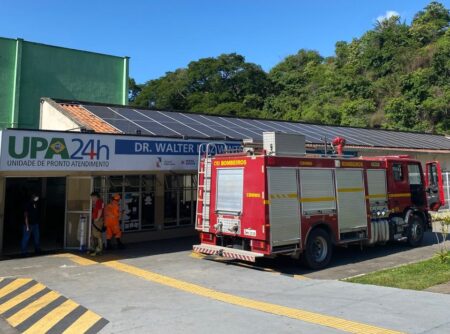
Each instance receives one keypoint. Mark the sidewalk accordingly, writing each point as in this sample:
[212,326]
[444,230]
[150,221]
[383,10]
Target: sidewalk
[5,328]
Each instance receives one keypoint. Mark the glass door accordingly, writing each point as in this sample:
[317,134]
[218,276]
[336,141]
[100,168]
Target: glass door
[78,212]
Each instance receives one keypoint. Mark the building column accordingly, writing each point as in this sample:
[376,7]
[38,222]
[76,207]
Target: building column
[2,211]
[14,119]
[126,62]
[159,202]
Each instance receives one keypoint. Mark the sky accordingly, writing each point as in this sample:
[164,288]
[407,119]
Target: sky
[163,35]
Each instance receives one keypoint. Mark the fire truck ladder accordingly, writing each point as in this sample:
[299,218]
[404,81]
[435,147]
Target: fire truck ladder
[204,183]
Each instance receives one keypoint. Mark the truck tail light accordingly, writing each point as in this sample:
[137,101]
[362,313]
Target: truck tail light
[258,244]
[206,237]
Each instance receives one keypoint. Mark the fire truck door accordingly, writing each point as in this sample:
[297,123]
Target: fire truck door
[284,210]
[352,212]
[434,185]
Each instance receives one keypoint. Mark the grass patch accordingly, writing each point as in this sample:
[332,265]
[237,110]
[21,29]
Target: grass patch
[416,276]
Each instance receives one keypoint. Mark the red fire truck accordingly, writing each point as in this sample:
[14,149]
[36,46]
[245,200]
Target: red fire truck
[281,200]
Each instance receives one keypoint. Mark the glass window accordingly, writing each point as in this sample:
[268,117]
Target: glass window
[179,199]
[433,175]
[170,200]
[230,189]
[148,202]
[137,198]
[130,202]
[187,200]
[414,174]
[115,184]
[397,172]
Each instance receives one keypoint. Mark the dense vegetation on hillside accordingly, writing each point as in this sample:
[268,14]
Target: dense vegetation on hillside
[394,76]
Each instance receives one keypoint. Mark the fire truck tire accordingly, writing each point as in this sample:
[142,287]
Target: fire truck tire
[416,231]
[319,249]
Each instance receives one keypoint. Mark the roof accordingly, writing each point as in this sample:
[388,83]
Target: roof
[132,120]
[84,117]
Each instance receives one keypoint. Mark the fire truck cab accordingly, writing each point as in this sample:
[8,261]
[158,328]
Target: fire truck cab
[280,200]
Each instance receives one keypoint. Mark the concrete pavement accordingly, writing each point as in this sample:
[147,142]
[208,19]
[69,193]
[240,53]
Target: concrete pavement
[224,297]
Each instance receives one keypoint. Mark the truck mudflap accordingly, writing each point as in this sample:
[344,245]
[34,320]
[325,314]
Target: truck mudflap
[227,252]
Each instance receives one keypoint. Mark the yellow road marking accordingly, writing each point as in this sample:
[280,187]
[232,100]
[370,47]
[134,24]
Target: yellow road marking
[197,255]
[31,309]
[21,297]
[13,286]
[301,277]
[52,318]
[77,259]
[306,316]
[83,323]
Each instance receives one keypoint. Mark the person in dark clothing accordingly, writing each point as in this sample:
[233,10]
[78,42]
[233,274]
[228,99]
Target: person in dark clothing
[31,226]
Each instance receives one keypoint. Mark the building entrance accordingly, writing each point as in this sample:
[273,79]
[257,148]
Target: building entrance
[51,192]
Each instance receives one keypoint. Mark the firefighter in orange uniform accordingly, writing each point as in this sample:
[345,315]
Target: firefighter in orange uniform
[112,217]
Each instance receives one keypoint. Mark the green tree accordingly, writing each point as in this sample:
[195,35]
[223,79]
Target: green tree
[401,114]
[395,76]
[223,85]
[133,90]
[430,23]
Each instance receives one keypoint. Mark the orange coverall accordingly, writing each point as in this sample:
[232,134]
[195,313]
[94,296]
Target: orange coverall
[112,216]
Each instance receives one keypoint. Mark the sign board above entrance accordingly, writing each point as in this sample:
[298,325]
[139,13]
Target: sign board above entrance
[64,151]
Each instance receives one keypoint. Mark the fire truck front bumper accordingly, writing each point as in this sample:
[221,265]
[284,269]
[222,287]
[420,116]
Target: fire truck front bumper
[227,252]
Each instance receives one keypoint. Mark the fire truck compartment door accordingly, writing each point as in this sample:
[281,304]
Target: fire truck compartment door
[352,212]
[317,191]
[284,211]
[376,184]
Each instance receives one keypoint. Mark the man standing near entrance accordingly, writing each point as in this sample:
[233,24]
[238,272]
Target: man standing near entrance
[31,226]
[112,222]
[97,223]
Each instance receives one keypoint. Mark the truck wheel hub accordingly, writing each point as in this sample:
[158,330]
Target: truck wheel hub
[320,249]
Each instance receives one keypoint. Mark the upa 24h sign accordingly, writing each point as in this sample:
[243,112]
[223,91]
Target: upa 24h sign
[62,151]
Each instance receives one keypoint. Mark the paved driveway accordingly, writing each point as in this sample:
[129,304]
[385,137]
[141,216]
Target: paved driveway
[162,287]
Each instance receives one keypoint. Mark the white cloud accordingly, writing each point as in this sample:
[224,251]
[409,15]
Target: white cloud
[388,15]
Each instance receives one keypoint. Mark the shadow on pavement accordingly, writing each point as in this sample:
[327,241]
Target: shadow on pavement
[134,250]
[342,256]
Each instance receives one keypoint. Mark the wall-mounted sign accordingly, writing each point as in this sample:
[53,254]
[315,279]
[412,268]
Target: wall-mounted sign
[63,151]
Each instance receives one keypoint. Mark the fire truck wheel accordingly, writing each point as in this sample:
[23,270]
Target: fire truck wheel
[318,250]
[416,231]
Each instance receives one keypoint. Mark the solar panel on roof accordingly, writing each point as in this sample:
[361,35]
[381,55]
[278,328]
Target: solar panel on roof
[165,123]
[130,114]
[183,126]
[158,129]
[310,135]
[126,126]
[102,112]
[232,123]
[215,123]
[207,130]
